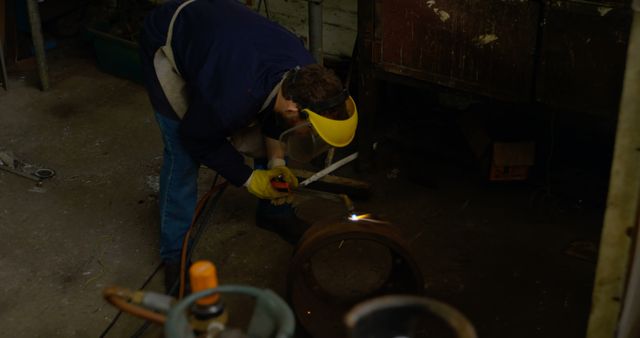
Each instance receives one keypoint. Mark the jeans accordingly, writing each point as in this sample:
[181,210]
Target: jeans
[178,190]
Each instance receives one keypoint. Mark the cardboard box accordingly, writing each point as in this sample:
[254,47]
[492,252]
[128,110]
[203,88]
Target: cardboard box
[500,157]
[511,161]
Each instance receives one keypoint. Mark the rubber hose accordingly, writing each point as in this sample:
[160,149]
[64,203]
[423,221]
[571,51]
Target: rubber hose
[120,297]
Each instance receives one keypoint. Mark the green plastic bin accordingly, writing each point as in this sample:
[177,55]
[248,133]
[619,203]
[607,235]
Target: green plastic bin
[116,56]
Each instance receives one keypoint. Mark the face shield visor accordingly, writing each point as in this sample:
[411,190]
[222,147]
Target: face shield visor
[319,133]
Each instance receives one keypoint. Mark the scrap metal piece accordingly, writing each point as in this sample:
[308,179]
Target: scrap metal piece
[319,310]
[328,170]
[339,198]
[7,159]
[19,173]
[9,163]
[336,184]
[44,173]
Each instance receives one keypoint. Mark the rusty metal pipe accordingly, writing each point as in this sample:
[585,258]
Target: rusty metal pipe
[38,42]
[315,30]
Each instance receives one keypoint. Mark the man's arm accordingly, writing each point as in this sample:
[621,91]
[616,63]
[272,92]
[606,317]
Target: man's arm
[204,137]
[275,152]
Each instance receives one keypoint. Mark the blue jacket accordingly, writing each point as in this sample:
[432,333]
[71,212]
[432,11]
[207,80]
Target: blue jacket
[231,58]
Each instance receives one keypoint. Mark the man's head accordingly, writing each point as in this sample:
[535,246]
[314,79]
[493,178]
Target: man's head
[319,112]
[305,87]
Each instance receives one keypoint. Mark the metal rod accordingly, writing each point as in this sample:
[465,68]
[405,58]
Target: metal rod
[38,42]
[3,65]
[621,216]
[328,170]
[20,173]
[329,159]
[339,198]
[315,30]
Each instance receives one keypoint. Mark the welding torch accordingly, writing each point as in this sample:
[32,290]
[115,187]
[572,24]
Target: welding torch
[281,185]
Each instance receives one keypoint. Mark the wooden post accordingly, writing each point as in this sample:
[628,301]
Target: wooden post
[621,216]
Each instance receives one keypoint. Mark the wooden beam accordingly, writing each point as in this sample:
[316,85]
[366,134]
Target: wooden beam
[621,216]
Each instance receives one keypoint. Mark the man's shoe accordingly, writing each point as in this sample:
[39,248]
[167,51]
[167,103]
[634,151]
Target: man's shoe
[171,277]
[281,220]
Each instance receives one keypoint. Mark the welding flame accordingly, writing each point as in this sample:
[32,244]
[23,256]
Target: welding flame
[365,218]
[355,217]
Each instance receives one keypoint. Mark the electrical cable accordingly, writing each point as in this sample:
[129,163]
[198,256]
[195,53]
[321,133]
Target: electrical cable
[147,323]
[142,329]
[206,203]
[266,8]
[111,324]
[186,254]
[117,316]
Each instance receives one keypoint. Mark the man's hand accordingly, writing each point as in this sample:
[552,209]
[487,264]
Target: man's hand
[259,184]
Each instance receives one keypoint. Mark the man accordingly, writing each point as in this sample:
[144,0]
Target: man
[218,74]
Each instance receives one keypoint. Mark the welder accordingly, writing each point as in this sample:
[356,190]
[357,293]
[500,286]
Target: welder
[226,82]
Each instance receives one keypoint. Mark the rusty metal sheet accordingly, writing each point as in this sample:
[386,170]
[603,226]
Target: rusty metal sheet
[610,3]
[485,47]
[582,56]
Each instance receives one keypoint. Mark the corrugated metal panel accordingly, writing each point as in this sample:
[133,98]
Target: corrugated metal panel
[582,55]
[475,45]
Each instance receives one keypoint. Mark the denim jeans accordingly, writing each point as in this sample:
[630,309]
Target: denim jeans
[178,190]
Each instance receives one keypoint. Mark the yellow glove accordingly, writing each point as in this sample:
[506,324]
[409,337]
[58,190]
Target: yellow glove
[288,199]
[259,184]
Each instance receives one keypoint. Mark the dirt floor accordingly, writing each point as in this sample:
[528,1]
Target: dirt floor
[517,259]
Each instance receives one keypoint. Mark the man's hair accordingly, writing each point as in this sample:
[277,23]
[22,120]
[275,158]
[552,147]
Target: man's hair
[314,84]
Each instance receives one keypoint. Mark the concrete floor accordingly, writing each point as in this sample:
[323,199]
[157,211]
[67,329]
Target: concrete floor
[496,252]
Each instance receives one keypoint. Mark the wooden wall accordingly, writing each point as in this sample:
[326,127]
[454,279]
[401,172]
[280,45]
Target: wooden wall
[340,22]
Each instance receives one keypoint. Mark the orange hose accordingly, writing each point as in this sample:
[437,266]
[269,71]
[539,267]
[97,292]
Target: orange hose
[183,255]
[120,297]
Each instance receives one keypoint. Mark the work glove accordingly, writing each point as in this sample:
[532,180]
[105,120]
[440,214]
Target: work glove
[275,162]
[288,199]
[259,183]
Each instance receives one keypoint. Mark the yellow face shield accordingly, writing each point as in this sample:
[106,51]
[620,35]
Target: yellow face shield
[310,139]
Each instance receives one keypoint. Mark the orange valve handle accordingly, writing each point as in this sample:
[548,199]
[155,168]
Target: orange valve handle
[204,276]
[280,184]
